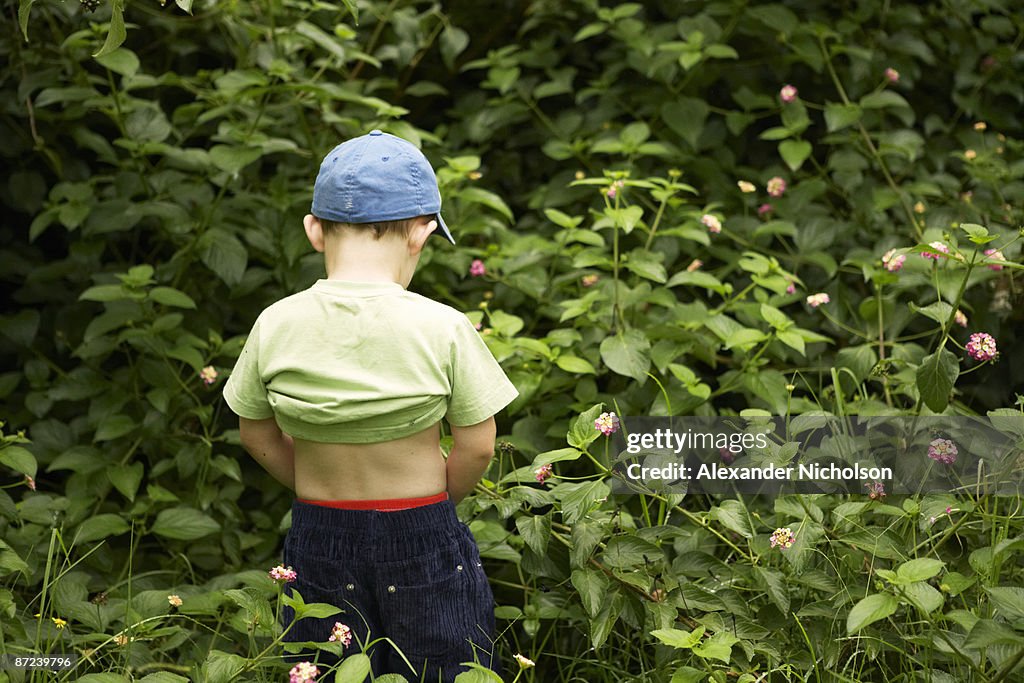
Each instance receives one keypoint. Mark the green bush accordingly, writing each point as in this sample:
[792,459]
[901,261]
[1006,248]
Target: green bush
[652,207]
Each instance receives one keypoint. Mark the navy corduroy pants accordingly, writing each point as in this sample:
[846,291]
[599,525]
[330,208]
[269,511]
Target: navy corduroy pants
[413,576]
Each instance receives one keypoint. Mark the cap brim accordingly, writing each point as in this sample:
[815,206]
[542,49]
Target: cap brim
[442,229]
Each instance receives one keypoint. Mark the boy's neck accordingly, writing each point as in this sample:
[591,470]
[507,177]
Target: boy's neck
[362,260]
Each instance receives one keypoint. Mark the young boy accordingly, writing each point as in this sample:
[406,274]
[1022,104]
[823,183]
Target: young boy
[340,390]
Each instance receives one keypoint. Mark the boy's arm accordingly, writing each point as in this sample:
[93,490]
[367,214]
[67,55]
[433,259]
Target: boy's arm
[469,457]
[270,447]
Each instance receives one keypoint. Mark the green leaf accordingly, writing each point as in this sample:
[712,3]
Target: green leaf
[169,296]
[793,340]
[224,254]
[536,531]
[582,433]
[575,364]
[795,152]
[105,293]
[579,498]
[733,516]
[559,455]
[453,42]
[592,586]
[126,478]
[987,633]
[627,353]
[19,459]
[1009,600]
[938,311]
[869,610]
[718,646]
[839,116]
[163,676]
[24,10]
[354,669]
[774,584]
[935,379]
[687,674]
[113,427]
[479,195]
[686,117]
[121,61]
[184,524]
[116,33]
[233,159]
[920,569]
[923,596]
[184,5]
[100,527]
[677,638]
[221,667]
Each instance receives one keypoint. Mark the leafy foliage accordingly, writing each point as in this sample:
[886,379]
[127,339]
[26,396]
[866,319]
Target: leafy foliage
[652,210]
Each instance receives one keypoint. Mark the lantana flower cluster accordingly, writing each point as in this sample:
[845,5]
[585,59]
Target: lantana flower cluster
[341,633]
[943,451]
[283,574]
[607,423]
[982,347]
[303,672]
[782,538]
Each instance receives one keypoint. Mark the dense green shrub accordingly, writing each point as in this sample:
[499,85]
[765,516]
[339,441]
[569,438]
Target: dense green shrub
[592,159]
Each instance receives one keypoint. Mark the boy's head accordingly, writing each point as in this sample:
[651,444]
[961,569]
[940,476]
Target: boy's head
[377,179]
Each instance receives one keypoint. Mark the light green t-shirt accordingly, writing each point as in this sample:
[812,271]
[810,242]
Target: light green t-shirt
[364,362]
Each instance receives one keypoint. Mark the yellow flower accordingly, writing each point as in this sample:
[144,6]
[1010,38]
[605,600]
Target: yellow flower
[174,600]
[919,207]
[980,125]
[58,622]
[746,187]
[970,155]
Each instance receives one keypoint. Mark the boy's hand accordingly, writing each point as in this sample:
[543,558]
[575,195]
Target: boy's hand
[270,447]
[469,457]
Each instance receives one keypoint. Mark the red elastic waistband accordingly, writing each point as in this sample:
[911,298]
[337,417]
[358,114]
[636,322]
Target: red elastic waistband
[386,505]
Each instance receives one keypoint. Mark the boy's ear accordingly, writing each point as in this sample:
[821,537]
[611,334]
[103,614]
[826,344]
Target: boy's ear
[314,231]
[419,234]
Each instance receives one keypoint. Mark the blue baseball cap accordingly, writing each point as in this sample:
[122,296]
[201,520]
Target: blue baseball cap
[377,177]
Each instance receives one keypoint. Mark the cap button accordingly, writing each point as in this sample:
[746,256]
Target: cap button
[375,132]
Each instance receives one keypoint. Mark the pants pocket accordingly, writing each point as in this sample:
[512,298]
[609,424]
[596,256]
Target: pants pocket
[439,621]
[323,580]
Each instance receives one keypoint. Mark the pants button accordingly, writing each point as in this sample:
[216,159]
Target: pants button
[459,568]
[391,589]
[350,587]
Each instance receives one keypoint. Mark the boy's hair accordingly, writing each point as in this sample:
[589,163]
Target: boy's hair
[399,228]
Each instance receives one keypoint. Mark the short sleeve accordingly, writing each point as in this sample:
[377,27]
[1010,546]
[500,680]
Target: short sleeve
[479,385]
[245,392]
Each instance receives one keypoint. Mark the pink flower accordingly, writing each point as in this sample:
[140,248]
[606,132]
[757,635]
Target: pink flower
[982,347]
[479,326]
[726,455]
[208,375]
[589,280]
[995,255]
[815,300]
[764,209]
[542,473]
[477,268]
[341,634]
[303,672]
[607,423]
[776,186]
[943,450]
[285,575]
[939,248]
[892,75]
[876,490]
[790,288]
[893,261]
[613,189]
[959,318]
[782,538]
[788,93]
[711,223]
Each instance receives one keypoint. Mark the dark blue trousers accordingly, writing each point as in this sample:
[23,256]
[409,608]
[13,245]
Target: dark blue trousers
[413,576]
